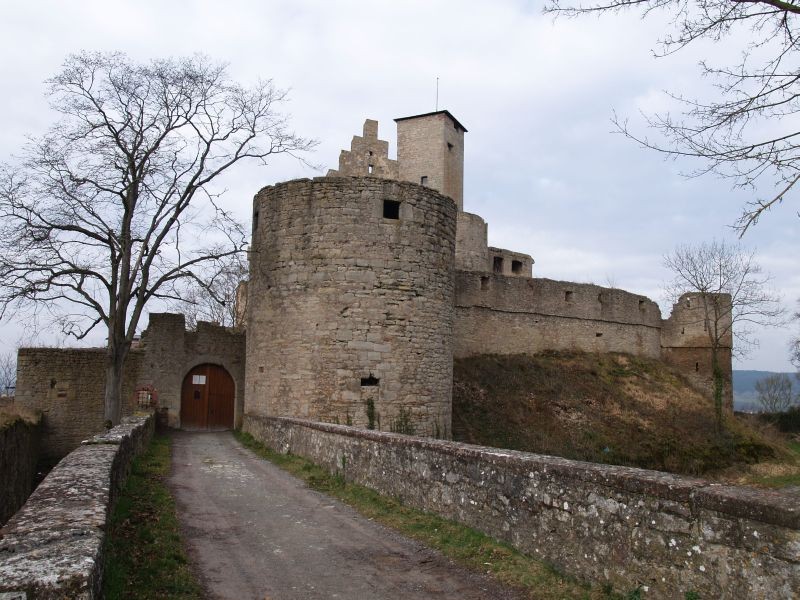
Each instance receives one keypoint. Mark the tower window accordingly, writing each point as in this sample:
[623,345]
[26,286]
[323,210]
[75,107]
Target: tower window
[371,168]
[484,283]
[497,264]
[598,334]
[568,296]
[255,221]
[391,209]
[423,180]
[697,367]
[370,381]
[516,266]
[449,146]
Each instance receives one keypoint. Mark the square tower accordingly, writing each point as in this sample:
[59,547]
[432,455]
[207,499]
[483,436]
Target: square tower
[430,152]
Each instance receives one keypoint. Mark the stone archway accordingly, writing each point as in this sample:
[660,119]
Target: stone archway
[207,398]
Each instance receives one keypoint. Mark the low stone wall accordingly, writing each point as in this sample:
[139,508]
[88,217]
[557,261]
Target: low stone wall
[626,526]
[19,437]
[53,547]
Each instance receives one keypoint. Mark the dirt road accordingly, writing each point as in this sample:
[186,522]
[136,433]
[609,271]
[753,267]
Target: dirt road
[253,531]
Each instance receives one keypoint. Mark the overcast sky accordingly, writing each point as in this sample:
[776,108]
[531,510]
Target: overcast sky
[537,95]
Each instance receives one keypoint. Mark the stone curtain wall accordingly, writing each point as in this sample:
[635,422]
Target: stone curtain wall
[19,440]
[53,547]
[67,386]
[511,315]
[350,313]
[471,244]
[168,352]
[626,526]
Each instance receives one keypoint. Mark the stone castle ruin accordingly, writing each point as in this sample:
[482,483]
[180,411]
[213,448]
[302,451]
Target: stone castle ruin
[364,285]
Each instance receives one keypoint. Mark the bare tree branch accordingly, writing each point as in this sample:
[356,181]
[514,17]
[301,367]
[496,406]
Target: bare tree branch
[748,132]
[111,207]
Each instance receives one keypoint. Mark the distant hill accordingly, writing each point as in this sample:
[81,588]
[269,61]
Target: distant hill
[744,388]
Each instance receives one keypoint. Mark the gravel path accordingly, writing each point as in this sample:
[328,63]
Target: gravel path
[254,531]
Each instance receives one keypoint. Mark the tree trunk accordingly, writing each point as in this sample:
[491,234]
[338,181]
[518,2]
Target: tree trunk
[113,395]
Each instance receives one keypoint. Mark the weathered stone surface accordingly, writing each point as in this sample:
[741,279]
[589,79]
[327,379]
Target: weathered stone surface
[368,156]
[430,151]
[53,546]
[350,313]
[627,526]
[19,442]
[68,384]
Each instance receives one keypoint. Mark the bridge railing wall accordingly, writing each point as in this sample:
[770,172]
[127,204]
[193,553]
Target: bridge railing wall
[664,533]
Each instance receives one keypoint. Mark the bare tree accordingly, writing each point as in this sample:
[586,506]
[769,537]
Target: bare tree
[749,131]
[734,296]
[113,207]
[774,392]
[794,348]
[8,373]
[214,298]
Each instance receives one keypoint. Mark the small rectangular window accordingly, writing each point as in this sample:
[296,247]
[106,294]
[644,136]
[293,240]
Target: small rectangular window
[449,146]
[641,305]
[255,221]
[391,209]
[484,283]
[497,264]
[371,168]
[598,334]
[370,381]
[568,296]
[516,266]
[423,180]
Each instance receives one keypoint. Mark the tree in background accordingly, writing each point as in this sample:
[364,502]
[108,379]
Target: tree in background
[749,132]
[114,206]
[214,298]
[794,348]
[775,393]
[8,373]
[734,296]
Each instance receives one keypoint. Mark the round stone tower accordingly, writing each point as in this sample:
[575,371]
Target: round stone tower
[350,304]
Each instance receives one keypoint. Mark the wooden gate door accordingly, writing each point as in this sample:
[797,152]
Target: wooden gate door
[207,397]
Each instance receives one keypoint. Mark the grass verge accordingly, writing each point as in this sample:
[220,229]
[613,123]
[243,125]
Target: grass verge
[146,557]
[464,545]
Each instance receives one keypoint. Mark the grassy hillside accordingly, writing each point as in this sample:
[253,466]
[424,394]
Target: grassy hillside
[611,408]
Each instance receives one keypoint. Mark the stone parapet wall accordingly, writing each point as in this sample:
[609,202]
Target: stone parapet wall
[601,523]
[67,385]
[19,453]
[53,547]
[496,314]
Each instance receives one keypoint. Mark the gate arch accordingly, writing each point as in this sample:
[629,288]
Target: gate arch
[207,398]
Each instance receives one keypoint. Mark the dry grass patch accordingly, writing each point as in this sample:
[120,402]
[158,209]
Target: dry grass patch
[608,408]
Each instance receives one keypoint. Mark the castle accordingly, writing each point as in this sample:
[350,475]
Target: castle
[364,286]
